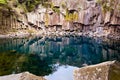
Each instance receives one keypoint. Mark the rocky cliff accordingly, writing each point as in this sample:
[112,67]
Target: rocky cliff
[10,15]
[69,15]
[83,15]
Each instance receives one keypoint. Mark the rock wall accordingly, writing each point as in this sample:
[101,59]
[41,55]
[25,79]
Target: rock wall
[7,19]
[82,15]
[11,17]
[69,15]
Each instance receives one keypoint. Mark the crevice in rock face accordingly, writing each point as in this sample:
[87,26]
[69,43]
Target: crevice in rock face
[89,0]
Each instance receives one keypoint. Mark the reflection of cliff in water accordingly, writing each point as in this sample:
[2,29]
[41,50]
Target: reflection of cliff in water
[45,52]
[12,62]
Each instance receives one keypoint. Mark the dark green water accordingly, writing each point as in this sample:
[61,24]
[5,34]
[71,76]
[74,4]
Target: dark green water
[56,57]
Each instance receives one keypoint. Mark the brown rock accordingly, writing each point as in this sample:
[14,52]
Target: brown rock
[22,76]
[105,71]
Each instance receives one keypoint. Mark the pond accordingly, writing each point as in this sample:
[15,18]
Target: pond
[55,58]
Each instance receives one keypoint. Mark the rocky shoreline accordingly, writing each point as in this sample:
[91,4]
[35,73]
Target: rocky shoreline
[25,33]
[18,34]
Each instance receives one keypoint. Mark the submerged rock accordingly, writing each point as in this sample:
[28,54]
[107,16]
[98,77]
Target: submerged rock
[21,76]
[105,71]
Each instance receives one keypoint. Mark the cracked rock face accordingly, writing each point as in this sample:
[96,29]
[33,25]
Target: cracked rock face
[21,76]
[71,15]
[89,13]
[105,71]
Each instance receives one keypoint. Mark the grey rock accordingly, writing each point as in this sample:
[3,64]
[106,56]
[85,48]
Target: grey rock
[104,71]
[21,76]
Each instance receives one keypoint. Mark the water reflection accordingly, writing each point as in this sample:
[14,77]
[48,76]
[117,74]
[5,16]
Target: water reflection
[62,73]
[15,63]
[39,55]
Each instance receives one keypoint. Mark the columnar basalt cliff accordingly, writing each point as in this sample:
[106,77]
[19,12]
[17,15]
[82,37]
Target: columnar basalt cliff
[99,16]
[11,17]
[80,15]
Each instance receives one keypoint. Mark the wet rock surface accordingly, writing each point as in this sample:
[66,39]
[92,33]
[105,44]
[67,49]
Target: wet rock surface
[104,71]
[21,76]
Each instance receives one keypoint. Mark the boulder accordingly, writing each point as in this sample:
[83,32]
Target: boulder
[104,71]
[21,76]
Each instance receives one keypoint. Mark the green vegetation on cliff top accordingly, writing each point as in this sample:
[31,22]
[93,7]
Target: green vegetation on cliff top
[3,1]
[30,5]
[26,5]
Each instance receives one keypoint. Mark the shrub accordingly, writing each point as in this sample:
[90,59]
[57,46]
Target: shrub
[71,16]
[3,1]
[106,5]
